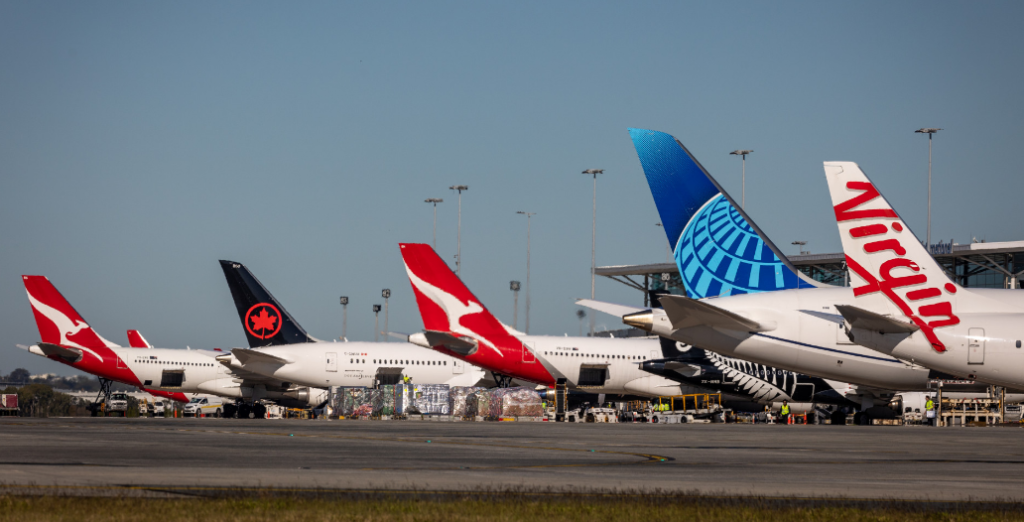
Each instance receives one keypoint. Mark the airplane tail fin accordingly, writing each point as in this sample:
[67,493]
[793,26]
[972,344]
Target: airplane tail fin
[445,303]
[136,340]
[672,349]
[58,322]
[718,249]
[891,271]
[264,319]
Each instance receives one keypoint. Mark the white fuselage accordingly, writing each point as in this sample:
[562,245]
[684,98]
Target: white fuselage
[584,361]
[799,340]
[987,347]
[328,364]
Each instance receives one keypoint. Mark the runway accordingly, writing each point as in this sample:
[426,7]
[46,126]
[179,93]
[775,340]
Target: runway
[912,463]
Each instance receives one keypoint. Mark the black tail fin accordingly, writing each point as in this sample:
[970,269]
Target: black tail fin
[671,349]
[265,321]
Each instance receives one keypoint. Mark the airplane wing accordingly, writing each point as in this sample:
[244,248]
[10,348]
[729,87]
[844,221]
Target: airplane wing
[64,352]
[609,308]
[867,320]
[246,356]
[687,313]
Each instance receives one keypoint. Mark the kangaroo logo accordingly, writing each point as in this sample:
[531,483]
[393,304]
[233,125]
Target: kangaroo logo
[264,318]
[884,239]
[453,308]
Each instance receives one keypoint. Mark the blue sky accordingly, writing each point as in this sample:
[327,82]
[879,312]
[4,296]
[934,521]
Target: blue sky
[142,142]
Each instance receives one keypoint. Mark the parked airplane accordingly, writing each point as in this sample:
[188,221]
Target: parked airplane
[744,298]
[68,339]
[903,303]
[456,323]
[280,348]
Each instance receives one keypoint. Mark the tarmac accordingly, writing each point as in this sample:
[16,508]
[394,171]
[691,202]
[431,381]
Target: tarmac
[185,456]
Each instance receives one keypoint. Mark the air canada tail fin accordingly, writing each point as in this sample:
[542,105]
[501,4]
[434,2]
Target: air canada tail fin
[718,249]
[58,322]
[445,303]
[891,272]
[136,340]
[264,319]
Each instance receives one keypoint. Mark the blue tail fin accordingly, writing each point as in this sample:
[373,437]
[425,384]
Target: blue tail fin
[718,250]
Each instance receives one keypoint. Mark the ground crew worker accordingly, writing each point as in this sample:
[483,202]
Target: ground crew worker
[929,410]
[784,412]
[544,404]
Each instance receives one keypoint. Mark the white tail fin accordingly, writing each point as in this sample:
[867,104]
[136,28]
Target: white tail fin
[890,270]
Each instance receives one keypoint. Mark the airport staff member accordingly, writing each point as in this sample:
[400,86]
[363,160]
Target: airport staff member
[784,412]
[929,410]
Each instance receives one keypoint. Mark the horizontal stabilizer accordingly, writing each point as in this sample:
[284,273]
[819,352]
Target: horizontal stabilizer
[609,308]
[866,320]
[64,352]
[464,346]
[687,313]
[247,356]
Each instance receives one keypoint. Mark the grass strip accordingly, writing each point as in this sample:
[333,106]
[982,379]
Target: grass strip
[647,508]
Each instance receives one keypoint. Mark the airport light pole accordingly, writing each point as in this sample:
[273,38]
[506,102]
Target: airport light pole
[593,242]
[376,316]
[435,201]
[743,186]
[528,216]
[344,317]
[514,286]
[929,131]
[386,293]
[580,314]
[801,244]
[668,246]
[458,256]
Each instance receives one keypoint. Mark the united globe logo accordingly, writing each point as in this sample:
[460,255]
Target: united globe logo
[720,254]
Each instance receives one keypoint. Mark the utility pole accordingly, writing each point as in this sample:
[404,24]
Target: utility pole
[743,189]
[668,247]
[376,316]
[458,256]
[929,132]
[344,318]
[528,216]
[386,293]
[593,244]
[435,201]
[514,286]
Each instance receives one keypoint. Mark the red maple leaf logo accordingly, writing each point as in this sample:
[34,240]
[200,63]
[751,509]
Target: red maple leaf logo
[263,321]
[268,324]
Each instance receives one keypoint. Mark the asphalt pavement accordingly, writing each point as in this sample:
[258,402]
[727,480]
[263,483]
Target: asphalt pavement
[890,462]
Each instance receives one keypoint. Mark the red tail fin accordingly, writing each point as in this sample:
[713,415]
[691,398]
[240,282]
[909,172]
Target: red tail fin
[136,340]
[445,303]
[57,320]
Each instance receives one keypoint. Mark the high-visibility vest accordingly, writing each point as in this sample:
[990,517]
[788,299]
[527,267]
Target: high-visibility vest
[784,410]
[929,405]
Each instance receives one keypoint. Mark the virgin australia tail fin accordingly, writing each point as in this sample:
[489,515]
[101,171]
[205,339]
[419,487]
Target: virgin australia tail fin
[718,249]
[891,272]
[264,319]
[58,322]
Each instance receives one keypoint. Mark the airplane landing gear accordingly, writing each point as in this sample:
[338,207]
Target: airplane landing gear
[102,397]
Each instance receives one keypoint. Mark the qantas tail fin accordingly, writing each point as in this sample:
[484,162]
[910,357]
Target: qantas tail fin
[58,322]
[136,340]
[891,272]
[445,303]
[718,249]
[264,319]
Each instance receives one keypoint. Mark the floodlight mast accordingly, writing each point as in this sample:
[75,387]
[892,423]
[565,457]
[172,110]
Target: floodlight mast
[386,293]
[344,318]
[514,286]
[743,187]
[435,201]
[929,131]
[593,243]
[458,255]
[528,216]
[376,316]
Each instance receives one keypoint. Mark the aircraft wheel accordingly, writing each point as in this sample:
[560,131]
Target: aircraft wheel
[216,414]
[654,420]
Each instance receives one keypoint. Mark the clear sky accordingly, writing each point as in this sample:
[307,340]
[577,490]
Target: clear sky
[141,142]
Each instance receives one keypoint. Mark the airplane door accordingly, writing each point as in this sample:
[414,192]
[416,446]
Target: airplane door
[332,361]
[976,346]
[528,355]
[655,354]
[459,366]
[120,364]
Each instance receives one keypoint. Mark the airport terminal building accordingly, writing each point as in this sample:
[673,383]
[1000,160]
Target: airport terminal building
[975,265]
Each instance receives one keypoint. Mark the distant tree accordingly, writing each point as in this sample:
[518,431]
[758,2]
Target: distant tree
[19,375]
[39,400]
